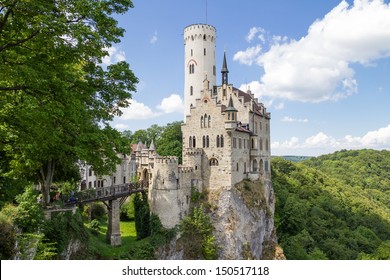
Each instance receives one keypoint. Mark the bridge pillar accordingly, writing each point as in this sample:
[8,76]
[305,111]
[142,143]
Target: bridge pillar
[113,235]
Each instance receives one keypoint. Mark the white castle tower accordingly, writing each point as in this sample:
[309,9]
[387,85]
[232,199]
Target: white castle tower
[199,61]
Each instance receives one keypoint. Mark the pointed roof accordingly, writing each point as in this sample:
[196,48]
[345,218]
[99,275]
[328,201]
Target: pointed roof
[139,146]
[230,107]
[224,64]
[152,147]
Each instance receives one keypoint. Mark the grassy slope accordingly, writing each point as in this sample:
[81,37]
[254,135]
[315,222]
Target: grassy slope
[100,249]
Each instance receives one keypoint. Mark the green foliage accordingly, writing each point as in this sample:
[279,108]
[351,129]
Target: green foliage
[144,251]
[141,215]
[7,238]
[170,141]
[95,224]
[196,236]
[98,210]
[62,228]
[29,214]
[159,235]
[127,211]
[196,196]
[56,98]
[46,250]
[334,206]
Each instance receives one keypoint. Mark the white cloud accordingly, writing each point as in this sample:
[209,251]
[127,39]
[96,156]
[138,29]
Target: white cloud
[138,111]
[253,32]
[317,67]
[121,126]
[291,120]
[154,38]
[322,143]
[249,56]
[171,104]
[279,106]
[114,55]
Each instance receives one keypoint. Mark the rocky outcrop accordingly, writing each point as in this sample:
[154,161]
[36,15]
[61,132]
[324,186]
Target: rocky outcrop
[243,217]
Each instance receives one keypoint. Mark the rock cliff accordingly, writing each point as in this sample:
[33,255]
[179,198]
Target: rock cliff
[243,220]
[243,217]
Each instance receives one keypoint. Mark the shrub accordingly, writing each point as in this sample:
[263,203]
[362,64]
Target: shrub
[127,211]
[29,214]
[142,215]
[197,238]
[62,228]
[7,238]
[98,210]
[158,234]
[95,224]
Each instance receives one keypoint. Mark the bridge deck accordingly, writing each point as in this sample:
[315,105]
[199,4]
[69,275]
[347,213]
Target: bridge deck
[104,194]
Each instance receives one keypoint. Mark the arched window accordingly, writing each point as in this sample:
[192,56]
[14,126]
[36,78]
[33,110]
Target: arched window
[204,37]
[213,162]
[201,122]
[193,142]
[214,70]
[204,120]
[221,141]
[204,51]
[255,166]
[217,141]
[261,144]
[191,90]
[209,122]
[190,142]
[192,52]
[207,141]
[238,167]
[192,68]
[204,141]
[253,143]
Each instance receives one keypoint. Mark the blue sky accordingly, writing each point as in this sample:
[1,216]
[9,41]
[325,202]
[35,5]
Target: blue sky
[321,67]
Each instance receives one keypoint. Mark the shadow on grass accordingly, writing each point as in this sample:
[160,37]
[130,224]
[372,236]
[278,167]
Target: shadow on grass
[99,248]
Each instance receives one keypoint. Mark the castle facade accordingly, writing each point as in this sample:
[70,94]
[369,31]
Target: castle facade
[226,135]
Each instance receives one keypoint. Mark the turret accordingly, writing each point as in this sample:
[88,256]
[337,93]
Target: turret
[199,59]
[230,115]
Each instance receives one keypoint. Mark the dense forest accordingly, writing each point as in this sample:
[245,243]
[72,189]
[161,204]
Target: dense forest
[335,206]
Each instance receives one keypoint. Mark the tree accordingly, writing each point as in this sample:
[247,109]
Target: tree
[170,141]
[56,98]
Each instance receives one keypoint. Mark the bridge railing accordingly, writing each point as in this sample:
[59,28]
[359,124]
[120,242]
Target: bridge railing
[105,193]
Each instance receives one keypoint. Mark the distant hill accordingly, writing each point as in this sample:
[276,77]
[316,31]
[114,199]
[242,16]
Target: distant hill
[295,158]
[335,206]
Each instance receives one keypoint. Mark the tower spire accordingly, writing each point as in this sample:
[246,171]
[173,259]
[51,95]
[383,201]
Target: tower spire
[224,70]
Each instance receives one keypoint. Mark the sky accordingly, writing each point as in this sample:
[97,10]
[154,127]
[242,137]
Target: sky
[322,68]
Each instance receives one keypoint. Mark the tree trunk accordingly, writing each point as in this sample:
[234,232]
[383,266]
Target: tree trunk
[46,174]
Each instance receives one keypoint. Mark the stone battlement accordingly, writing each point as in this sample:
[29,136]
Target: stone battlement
[185,169]
[194,151]
[167,160]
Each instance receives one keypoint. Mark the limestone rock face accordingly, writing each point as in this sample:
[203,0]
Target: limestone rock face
[243,218]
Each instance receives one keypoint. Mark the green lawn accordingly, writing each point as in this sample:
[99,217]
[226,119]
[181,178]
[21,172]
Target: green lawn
[100,249]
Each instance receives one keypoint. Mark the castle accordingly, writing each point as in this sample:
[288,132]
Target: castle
[226,137]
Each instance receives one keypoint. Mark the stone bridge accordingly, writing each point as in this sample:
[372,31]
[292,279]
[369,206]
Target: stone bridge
[113,197]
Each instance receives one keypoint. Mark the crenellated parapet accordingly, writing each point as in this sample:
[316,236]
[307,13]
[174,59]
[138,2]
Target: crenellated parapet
[185,169]
[193,151]
[167,160]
